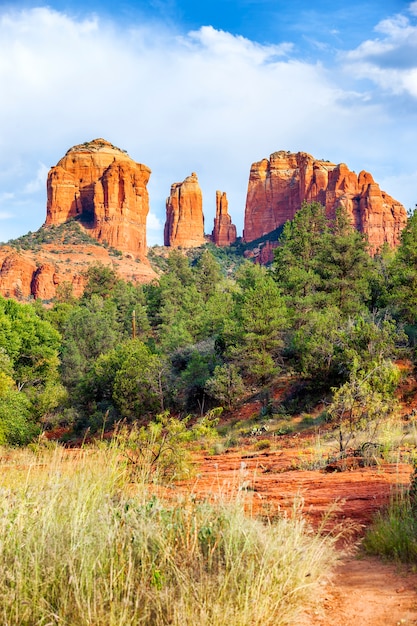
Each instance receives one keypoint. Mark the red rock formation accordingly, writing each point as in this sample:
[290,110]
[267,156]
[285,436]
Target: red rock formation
[16,273]
[184,225]
[38,273]
[106,190]
[278,187]
[224,232]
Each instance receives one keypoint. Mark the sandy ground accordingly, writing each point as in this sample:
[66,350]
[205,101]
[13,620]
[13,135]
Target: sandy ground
[365,592]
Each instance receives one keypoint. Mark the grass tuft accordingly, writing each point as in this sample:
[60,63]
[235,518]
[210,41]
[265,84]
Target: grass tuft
[393,534]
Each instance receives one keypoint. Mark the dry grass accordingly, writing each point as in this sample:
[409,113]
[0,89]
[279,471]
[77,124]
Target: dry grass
[81,546]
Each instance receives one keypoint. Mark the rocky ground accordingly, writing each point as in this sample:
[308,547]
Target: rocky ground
[362,590]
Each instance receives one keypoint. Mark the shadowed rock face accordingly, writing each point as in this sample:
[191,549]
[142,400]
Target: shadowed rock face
[278,187]
[224,232]
[184,225]
[105,190]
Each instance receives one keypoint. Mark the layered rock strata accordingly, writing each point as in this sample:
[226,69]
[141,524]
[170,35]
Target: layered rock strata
[184,225]
[105,190]
[224,231]
[278,187]
[38,274]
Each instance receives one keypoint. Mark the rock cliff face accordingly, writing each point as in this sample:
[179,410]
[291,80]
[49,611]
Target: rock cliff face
[39,273]
[278,187]
[105,190]
[184,225]
[224,232]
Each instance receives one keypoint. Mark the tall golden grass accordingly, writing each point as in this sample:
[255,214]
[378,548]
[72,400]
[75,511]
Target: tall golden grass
[81,546]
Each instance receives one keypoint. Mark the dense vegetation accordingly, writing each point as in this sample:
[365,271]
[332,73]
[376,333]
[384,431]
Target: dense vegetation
[202,337]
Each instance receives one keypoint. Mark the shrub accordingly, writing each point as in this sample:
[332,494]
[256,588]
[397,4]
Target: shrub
[393,534]
[262,444]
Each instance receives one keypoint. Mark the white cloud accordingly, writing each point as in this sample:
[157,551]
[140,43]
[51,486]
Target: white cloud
[389,61]
[206,101]
[153,222]
[39,182]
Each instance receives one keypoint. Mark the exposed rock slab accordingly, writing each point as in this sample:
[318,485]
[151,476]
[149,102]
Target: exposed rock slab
[105,190]
[278,187]
[224,231]
[184,225]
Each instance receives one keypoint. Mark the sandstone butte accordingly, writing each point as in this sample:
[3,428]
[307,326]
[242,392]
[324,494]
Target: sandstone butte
[105,190]
[184,225]
[278,187]
[224,232]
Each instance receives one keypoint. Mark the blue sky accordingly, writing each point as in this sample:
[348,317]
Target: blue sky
[208,87]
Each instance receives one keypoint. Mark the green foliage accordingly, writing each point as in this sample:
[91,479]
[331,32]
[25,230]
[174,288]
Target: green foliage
[403,274]
[225,385]
[208,274]
[297,259]
[364,402]
[16,424]
[31,343]
[100,281]
[393,533]
[327,348]
[157,452]
[69,233]
[137,389]
[88,332]
[28,371]
[254,335]
[321,263]
[344,266]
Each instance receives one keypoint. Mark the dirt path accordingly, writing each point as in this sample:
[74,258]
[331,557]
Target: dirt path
[365,592]
[361,591]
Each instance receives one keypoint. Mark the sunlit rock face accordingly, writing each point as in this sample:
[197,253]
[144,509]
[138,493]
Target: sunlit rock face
[224,232]
[278,187]
[105,190]
[184,225]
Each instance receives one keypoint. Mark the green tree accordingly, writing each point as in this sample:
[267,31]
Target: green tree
[254,337]
[365,401]
[88,332]
[31,343]
[138,383]
[322,263]
[208,274]
[296,260]
[403,273]
[17,426]
[344,266]
[100,281]
[226,385]
[328,347]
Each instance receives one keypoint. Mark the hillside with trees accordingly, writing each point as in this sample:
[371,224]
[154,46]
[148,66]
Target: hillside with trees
[202,336]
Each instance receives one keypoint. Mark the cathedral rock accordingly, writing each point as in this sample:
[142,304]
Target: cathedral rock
[224,232]
[105,190]
[278,187]
[184,224]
